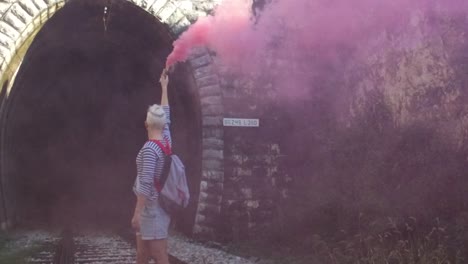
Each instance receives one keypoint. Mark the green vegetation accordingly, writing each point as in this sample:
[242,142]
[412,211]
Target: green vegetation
[371,192]
[17,254]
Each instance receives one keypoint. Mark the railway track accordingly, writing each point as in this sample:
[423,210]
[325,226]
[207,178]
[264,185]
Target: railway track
[118,248]
[88,248]
[103,249]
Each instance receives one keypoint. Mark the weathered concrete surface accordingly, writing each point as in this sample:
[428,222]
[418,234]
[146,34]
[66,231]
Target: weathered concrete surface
[420,73]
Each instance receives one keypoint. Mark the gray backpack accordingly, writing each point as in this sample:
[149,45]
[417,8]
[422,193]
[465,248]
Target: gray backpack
[172,187]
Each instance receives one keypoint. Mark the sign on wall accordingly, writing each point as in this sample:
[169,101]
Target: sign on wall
[241,122]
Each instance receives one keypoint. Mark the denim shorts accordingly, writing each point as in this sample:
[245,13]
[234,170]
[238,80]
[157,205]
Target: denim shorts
[154,221]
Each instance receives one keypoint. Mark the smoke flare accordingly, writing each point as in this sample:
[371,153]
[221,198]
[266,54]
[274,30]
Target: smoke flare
[220,32]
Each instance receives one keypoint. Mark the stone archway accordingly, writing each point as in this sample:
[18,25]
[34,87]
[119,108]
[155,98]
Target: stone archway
[21,20]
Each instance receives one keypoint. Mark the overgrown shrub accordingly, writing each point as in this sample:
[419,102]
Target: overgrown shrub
[369,193]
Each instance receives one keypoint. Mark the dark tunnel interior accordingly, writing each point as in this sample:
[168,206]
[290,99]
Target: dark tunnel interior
[75,116]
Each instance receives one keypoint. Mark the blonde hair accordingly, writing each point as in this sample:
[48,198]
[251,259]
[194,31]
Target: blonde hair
[156,117]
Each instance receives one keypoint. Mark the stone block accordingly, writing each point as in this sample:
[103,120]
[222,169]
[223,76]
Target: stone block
[180,26]
[238,158]
[5,41]
[198,52]
[28,7]
[213,132]
[200,218]
[212,110]
[193,16]
[206,6]
[54,6]
[212,90]
[211,221]
[203,186]
[252,204]
[211,100]
[52,2]
[13,21]
[215,175]
[175,17]
[4,52]
[214,188]
[156,7]
[230,194]
[166,12]
[242,171]
[40,4]
[4,6]
[210,198]
[212,164]
[201,61]
[20,14]
[209,209]
[186,6]
[204,71]
[213,154]
[247,193]
[212,121]
[213,143]
[207,80]
[28,30]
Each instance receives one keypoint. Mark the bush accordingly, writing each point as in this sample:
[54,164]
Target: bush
[369,193]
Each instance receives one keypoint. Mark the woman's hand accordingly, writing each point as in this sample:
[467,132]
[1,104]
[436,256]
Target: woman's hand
[136,221]
[164,80]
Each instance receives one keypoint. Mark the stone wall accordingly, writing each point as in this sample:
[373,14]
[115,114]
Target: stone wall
[252,172]
[211,186]
[420,73]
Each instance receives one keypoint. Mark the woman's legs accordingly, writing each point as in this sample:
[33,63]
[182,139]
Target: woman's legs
[142,251]
[154,223]
[158,251]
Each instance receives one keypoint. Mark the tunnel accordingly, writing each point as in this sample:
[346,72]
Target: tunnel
[73,122]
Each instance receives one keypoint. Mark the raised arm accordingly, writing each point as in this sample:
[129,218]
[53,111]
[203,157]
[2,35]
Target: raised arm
[165,104]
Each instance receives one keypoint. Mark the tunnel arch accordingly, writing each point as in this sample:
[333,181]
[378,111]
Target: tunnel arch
[20,22]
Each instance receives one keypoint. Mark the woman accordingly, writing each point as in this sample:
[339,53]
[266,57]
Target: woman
[150,221]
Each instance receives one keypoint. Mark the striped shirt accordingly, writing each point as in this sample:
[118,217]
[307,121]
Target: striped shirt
[150,163]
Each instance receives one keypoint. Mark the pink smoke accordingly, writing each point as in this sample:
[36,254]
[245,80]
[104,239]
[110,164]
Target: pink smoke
[232,33]
[197,35]
[294,43]
[220,32]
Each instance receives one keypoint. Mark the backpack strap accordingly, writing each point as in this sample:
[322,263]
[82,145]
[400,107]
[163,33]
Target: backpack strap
[166,149]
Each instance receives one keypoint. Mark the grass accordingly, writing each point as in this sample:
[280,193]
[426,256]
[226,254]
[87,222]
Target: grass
[273,254]
[398,244]
[10,253]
